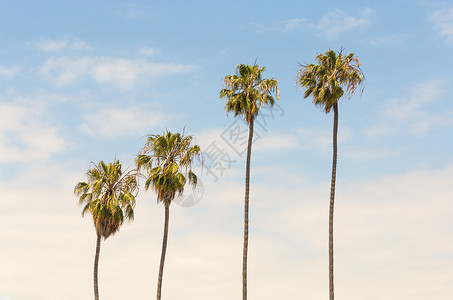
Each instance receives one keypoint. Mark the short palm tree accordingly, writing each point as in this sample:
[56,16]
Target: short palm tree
[334,75]
[165,158]
[109,196]
[245,92]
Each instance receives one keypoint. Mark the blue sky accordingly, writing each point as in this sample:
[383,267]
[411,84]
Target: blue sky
[82,81]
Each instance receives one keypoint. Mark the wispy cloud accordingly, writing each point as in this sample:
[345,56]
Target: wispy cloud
[114,122]
[367,153]
[276,141]
[25,134]
[50,45]
[411,107]
[442,20]
[338,21]
[9,72]
[293,24]
[150,51]
[409,113]
[389,40]
[133,11]
[124,73]
[330,26]
[321,139]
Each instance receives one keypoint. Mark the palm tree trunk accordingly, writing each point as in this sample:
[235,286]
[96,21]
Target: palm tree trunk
[246,213]
[96,263]
[332,199]
[164,250]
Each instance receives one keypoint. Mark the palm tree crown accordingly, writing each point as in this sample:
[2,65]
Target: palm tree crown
[165,157]
[333,76]
[246,91]
[109,196]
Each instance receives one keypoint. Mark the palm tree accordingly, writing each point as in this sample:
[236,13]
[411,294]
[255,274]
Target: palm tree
[165,158]
[333,76]
[109,196]
[245,92]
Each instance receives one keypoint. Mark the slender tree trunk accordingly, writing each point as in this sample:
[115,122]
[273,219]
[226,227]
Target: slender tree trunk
[96,263]
[332,199]
[164,250]
[246,213]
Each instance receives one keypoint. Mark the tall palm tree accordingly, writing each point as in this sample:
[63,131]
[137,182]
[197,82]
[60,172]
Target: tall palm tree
[245,92]
[165,158]
[334,75]
[109,196]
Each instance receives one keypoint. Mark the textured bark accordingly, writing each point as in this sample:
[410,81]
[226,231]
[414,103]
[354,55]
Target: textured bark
[246,213]
[332,200]
[96,263]
[164,250]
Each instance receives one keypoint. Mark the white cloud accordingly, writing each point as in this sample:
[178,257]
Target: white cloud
[124,73]
[64,71]
[150,51]
[9,72]
[113,122]
[331,25]
[378,130]
[49,45]
[337,22]
[363,153]
[322,138]
[25,135]
[401,109]
[411,113]
[78,44]
[276,141]
[206,137]
[293,24]
[132,11]
[259,27]
[120,72]
[443,22]
[390,40]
